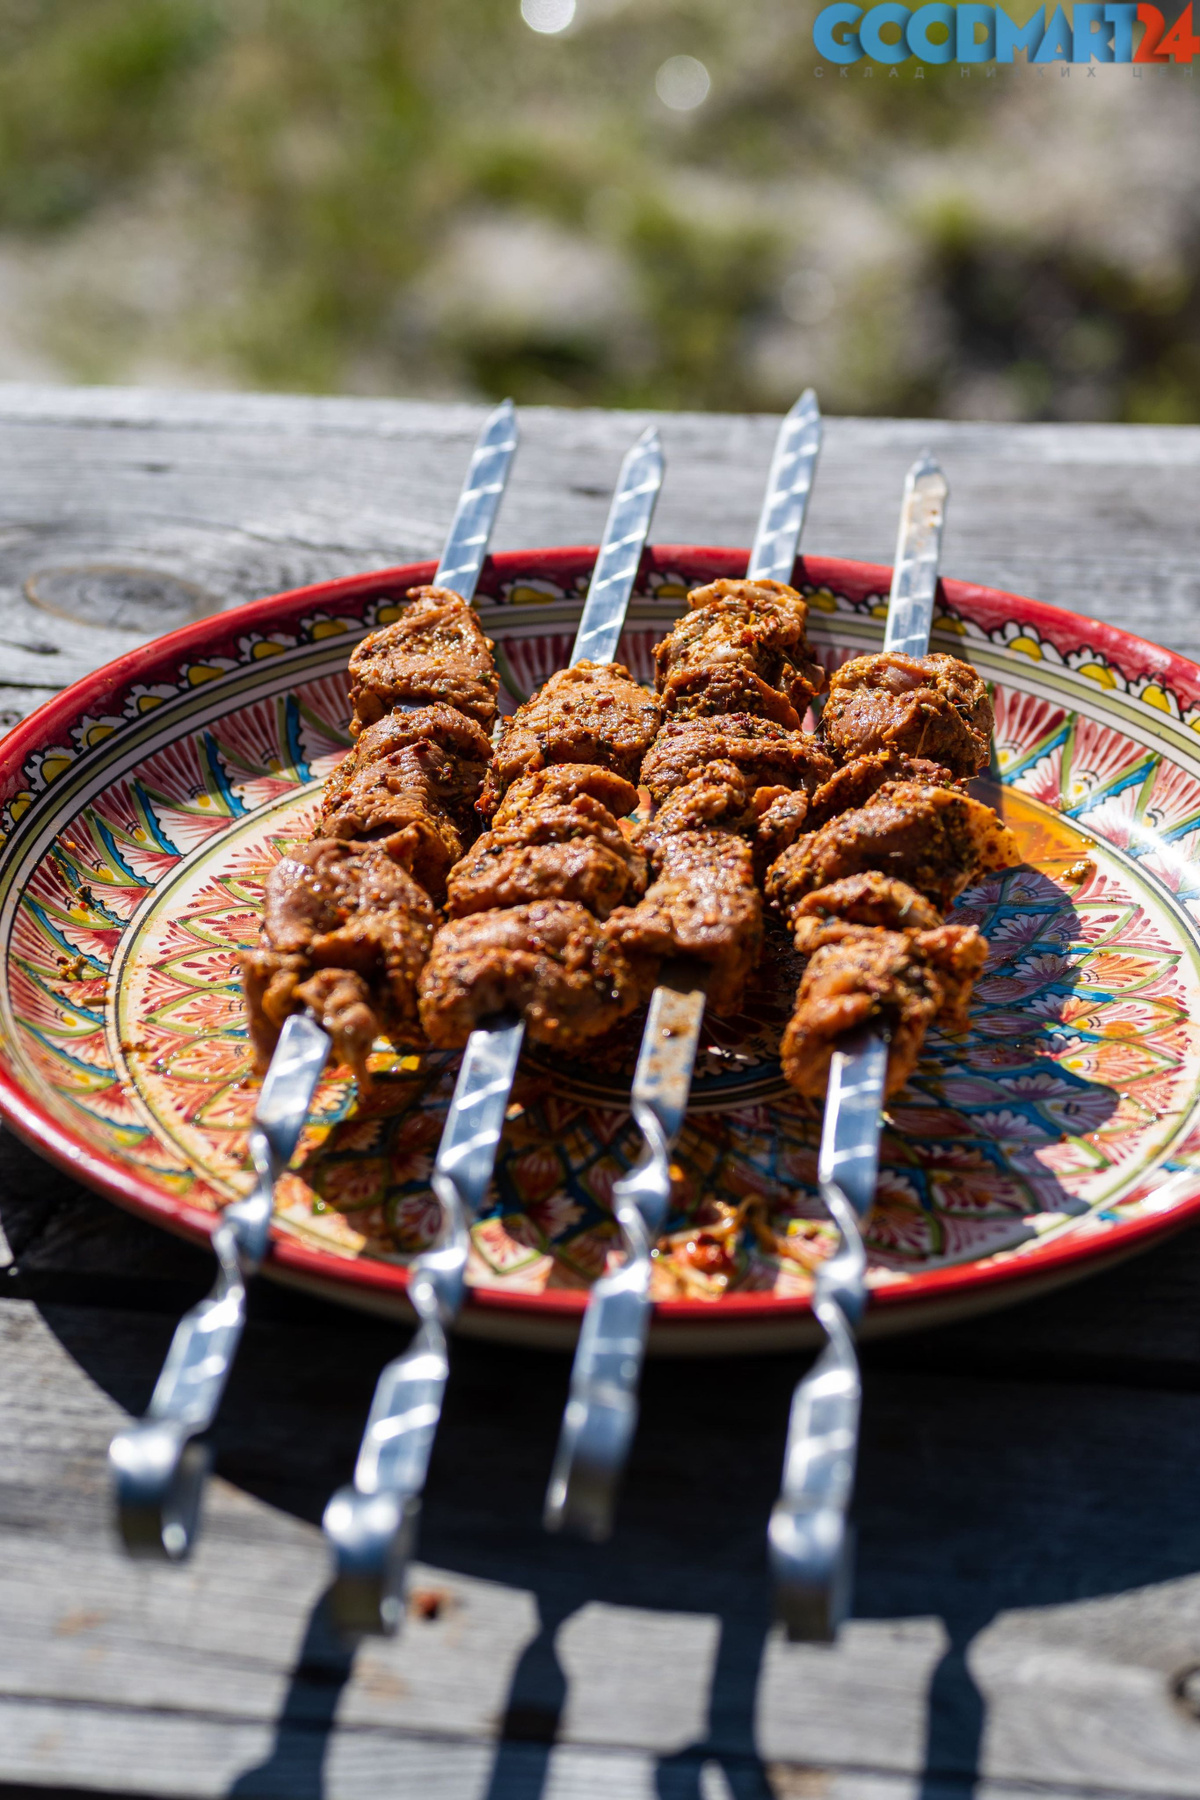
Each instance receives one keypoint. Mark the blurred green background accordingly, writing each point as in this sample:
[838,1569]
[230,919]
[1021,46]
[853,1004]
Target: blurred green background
[617,202]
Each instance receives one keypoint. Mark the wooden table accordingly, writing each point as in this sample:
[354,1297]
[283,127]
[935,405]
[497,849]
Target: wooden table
[1028,1602]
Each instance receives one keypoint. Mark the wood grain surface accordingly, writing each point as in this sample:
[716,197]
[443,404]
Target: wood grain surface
[1027,1612]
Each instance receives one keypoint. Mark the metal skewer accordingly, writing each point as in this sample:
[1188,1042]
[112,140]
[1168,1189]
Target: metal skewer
[158,1468]
[811,1545]
[601,1412]
[371,1525]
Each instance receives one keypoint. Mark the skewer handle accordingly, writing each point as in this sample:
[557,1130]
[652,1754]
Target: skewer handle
[918,552]
[478,503]
[601,1414]
[371,1525]
[789,485]
[158,1469]
[809,1534]
[625,534]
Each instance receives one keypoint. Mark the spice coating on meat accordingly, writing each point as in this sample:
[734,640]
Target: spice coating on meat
[743,648]
[717,797]
[765,754]
[457,774]
[344,911]
[548,961]
[434,652]
[865,899]
[552,839]
[896,981]
[936,839]
[861,778]
[592,713]
[783,815]
[928,706]
[396,798]
[704,903]
[562,783]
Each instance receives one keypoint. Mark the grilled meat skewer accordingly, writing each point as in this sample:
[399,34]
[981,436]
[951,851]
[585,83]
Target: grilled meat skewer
[348,922]
[543,955]
[711,777]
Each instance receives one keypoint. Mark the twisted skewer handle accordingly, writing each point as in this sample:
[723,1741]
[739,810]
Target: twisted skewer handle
[625,534]
[478,503]
[371,1525]
[918,552]
[601,1413]
[789,485]
[157,1467]
[809,1534]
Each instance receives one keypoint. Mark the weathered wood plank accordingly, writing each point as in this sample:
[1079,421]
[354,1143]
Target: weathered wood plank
[1028,1536]
[245,495]
[1043,1532]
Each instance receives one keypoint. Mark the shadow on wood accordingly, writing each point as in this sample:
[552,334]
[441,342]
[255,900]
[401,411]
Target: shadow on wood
[995,1477]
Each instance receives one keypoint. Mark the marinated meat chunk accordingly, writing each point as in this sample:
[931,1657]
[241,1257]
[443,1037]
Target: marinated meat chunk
[957,954]
[593,713]
[782,814]
[756,592]
[583,869]
[743,648]
[548,961]
[500,873]
[342,1002]
[765,754]
[396,798]
[718,796]
[928,706]
[705,904]
[560,784]
[339,911]
[435,652]
[456,776]
[552,839]
[861,778]
[936,839]
[866,899]
[896,981]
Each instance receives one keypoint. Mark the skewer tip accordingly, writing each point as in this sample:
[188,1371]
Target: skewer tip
[926,465]
[501,419]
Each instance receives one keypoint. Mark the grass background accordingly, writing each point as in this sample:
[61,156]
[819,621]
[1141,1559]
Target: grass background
[399,196]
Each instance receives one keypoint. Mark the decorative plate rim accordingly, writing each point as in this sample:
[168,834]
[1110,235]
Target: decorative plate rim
[1138,662]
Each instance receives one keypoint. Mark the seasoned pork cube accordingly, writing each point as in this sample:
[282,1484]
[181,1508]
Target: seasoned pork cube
[743,648]
[553,840]
[455,775]
[936,839]
[396,799]
[435,651]
[703,903]
[346,931]
[894,981]
[593,713]
[765,754]
[549,962]
[928,706]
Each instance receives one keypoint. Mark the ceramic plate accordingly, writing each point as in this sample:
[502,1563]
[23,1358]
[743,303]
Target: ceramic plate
[143,807]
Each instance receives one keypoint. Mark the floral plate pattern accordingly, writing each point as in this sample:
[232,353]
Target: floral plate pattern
[143,808]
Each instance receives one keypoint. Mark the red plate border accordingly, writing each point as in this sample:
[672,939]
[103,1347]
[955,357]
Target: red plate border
[990,608]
